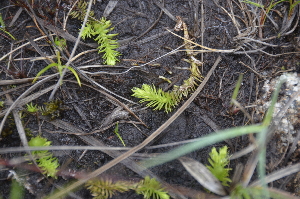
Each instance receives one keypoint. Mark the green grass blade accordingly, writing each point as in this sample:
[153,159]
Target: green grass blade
[8,33]
[268,117]
[203,142]
[262,137]
[2,24]
[16,191]
[237,88]
[43,70]
[116,131]
[253,3]
[75,74]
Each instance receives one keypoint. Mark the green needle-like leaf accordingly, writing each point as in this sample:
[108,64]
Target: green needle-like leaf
[44,70]
[75,74]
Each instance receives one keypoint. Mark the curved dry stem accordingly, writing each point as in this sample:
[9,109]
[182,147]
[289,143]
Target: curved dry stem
[37,39]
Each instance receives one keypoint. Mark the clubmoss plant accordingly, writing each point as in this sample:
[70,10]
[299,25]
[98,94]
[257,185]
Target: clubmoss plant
[219,164]
[45,160]
[99,31]
[52,109]
[240,192]
[102,189]
[148,187]
[157,98]
[32,108]
[151,188]
[160,99]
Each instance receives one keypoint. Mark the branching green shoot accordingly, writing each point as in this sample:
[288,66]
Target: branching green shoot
[99,31]
[157,98]
[32,108]
[45,160]
[151,188]
[219,164]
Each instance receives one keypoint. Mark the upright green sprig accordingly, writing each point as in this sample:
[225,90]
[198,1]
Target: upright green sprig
[32,108]
[45,160]
[99,31]
[107,45]
[116,131]
[80,11]
[160,99]
[219,164]
[59,67]
[151,188]
[157,98]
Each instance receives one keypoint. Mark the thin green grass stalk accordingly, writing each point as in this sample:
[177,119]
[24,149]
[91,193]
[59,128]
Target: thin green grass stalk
[292,6]
[2,27]
[16,190]
[237,88]
[116,131]
[254,4]
[267,9]
[203,142]
[262,137]
[268,117]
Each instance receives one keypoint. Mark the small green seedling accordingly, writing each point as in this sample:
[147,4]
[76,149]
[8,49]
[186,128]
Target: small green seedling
[219,164]
[60,68]
[99,31]
[2,28]
[52,109]
[32,108]
[157,98]
[271,5]
[151,188]
[45,160]
[61,43]
[116,131]
[237,88]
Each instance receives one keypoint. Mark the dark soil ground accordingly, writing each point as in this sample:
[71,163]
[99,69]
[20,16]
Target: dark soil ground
[142,31]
